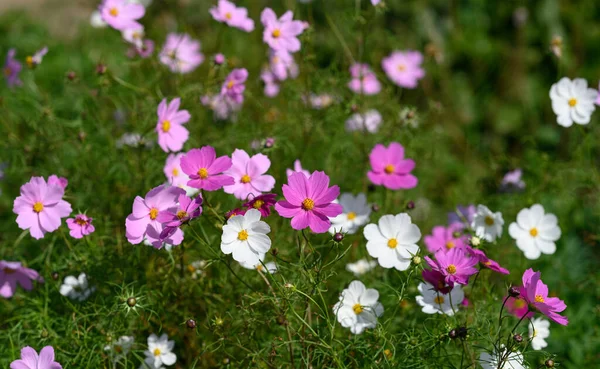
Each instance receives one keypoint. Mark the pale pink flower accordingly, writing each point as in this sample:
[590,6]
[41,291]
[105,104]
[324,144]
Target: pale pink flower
[13,273]
[282,33]
[205,170]
[234,85]
[249,175]
[226,12]
[121,14]
[31,360]
[271,83]
[404,68]
[282,65]
[297,168]
[181,53]
[171,133]
[364,80]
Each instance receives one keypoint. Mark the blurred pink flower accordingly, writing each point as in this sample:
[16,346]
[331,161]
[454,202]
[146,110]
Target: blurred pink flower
[598,98]
[535,294]
[234,85]
[390,169]
[205,169]
[309,202]
[375,2]
[12,68]
[271,83]
[282,33]
[512,181]
[31,360]
[364,81]
[40,207]
[444,238]
[173,172]
[437,280]
[297,169]
[226,12]
[80,226]
[249,175]
[171,133]
[282,65]
[54,180]
[13,273]
[456,265]
[181,53]
[518,307]
[219,59]
[404,68]
[121,14]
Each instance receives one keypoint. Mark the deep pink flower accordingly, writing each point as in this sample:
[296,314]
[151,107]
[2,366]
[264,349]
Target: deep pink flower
[219,59]
[40,207]
[181,53]
[282,33]
[518,307]
[249,175]
[297,169]
[187,210]
[12,68]
[234,212]
[309,202]
[262,203]
[121,14]
[535,293]
[404,68]
[437,280]
[171,133]
[226,12]
[205,169]
[444,239]
[143,223]
[13,272]
[58,181]
[234,85]
[390,169]
[364,81]
[485,261]
[456,265]
[80,226]
[31,360]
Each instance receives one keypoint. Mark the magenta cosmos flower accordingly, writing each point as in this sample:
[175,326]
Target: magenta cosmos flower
[437,280]
[205,169]
[234,85]
[535,294]
[13,272]
[445,239]
[485,261]
[518,307]
[456,265]
[121,14]
[31,360]
[40,207]
[226,12]
[142,223]
[12,68]
[80,226]
[364,81]
[390,169]
[187,210]
[282,33]
[171,134]
[309,202]
[181,53]
[262,203]
[249,175]
[404,68]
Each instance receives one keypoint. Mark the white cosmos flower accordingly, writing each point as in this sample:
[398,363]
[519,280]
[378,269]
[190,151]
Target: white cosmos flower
[245,236]
[96,20]
[358,307]
[361,267]
[271,266]
[356,214]
[539,330]
[197,268]
[514,360]
[535,232]
[572,101]
[76,288]
[437,302]
[487,224]
[120,347]
[159,352]
[393,242]
[369,121]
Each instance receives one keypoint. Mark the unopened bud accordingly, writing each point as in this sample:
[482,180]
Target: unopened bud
[410,205]
[416,260]
[514,291]
[338,237]
[475,241]
[100,69]
[549,363]
[131,301]
[191,323]
[518,338]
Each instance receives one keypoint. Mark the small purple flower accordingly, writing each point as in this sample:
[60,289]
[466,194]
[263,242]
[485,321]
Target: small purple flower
[80,226]
[234,85]
[512,181]
[172,219]
[467,213]
[262,203]
[13,272]
[455,265]
[31,360]
[12,68]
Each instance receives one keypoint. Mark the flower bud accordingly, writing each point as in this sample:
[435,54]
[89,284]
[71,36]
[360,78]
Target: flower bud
[55,275]
[416,260]
[475,241]
[100,69]
[514,291]
[71,75]
[410,205]
[191,323]
[518,338]
[461,332]
[274,251]
[338,237]
[375,208]
[131,301]
[453,334]
[549,363]
[44,333]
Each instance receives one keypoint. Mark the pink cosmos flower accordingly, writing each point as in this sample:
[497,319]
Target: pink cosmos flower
[31,360]
[262,203]
[404,68]
[181,53]
[234,86]
[58,181]
[143,223]
[598,98]
[512,181]
[437,280]
[40,207]
[13,272]
[173,172]
[80,226]
[282,33]
[171,134]
[205,169]
[282,65]
[485,261]
[146,50]
[187,210]
[12,68]
[375,2]
[226,12]
[309,202]
[121,14]
[518,307]
[455,265]
[364,81]
[444,239]
[271,83]
[465,218]
[390,169]
[219,59]
[249,175]
[297,169]
[535,294]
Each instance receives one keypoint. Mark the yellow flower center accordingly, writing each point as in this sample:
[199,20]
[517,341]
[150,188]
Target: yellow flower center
[156,352]
[533,232]
[203,173]
[191,268]
[572,102]
[276,33]
[389,169]
[245,179]
[38,207]
[258,204]
[230,84]
[243,235]
[114,12]
[153,213]
[182,214]
[351,215]
[275,60]
[519,304]
[388,353]
[80,221]
[539,298]
[392,243]
[451,269]
[166,125]
[29,61]
[489,220]
[175,172]
[438,300]
[259,267]
[487,263]
[308,204]
[357,309]
[401,67]
[450,245]
[228,15]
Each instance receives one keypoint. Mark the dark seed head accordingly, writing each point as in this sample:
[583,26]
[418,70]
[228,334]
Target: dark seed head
[191,323]
[338,237]
[274,251]
[518,338]
[453,334]
[410,205]
[514,291]
[131,301]
[461,332]
[549,363]
[55,275]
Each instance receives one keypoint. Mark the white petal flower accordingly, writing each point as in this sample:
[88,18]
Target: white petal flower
[245,236]
[535,232]
[120,347]
[96,20]
[573,101]
[393,241]
[514,360]
[539,330]
[361,267]
[358,307]
[271,267]
[369,121]
[197,268]
[437,302]
[134,36]
[356,214]
[487,224]
[76,288]
[159,352]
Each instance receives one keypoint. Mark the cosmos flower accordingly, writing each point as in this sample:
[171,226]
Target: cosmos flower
[234,85]
[512,181]
[445,238]
[297,169]
[282,33]
[404,68]
[173,218]
[271,83]
[282,65]
[249,175]
[433,301]
[171,133]
[539,330]
[463,216]
[160,352]
[36,59]
[119,348]
[437,281]
[76,288]
[514,360]
[572,101]
[358,308]
[487,224]
[222,107]
[535,232]
[485,261]
[262,203]
[55,180]
[134,36]
[226,12]
[121,14]
[205,170]
[176,176]
[368,121]
[181,53]
[245,236]
[356,211]
[456,265]
[13,273]
[364,80]
[390,169]
[31,360]
[535,294]
[361,267]
[12,68]
[80,226]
